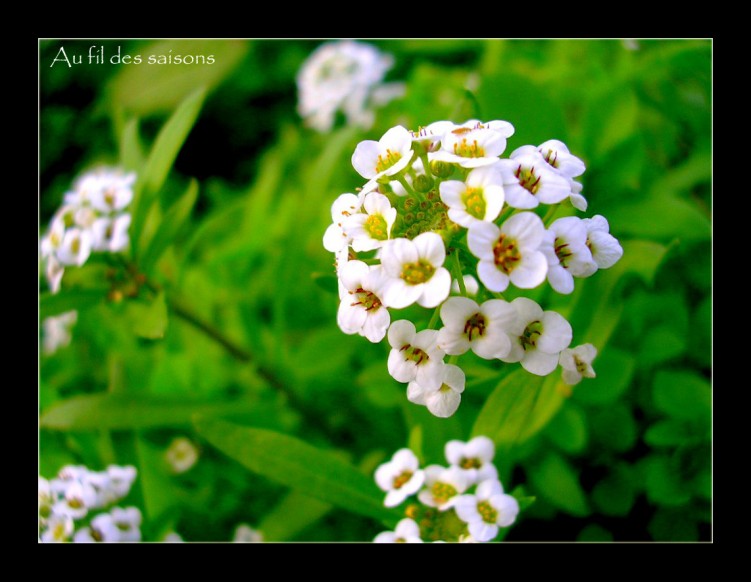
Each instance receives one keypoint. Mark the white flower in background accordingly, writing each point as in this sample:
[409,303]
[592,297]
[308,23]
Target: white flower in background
[334,239]
[442,486]
[509,253]
[172,538]
[343,76]
[415,356]
[181,454]
[577,363]
[605,248]
[480,197]
[102,529]
[70,472]
[415,270]
[557,156]
[54,273]
[482,328]
[368,230]
[120,480]
[443,400]
[407,531]
[56,331]
[244,534]
[565,248]
[128,523]
[474,144]
[75,247]
[474,458]
[545,335]
[111,234]
[487,510]
[114,193]
[400,477]
[59,529]
[470,285]
[577,200]
[528,180]
[361,309]
[385,157]
[54,237]
[78,497]
[46,499]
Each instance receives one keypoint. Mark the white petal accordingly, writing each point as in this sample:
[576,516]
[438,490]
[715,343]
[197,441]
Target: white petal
[451,193]
[483,532]
[430,375]
[365,158]
[493,344]
[606,250]
[452,342]
[401,333]
[384,476]
[486,489]
[493,279]
[556,333]
[352,274]
[386,537]
[436,289]
[430,247]
[508,509]
[426,340]
[443,404]
[481,237]
[415,393]
[501,313]
[481,447]
[560,279]
[526,228]
[395,497]
[376,325]
[528,310]
[454,451]
[456,311]
[454,377]
[399,368]
[466,508]
[553,188]
[350,318]
[571,377]
[539,363]
[530,271]
[398,294]
[334,238]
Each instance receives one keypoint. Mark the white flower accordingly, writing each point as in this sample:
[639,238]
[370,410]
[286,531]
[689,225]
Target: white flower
[385,157]
[120,480]
[113,194]
[480,197]
[509,253]
[407,531]
[605,248]
[54,273]
[181,455]
[444,400]
[361,309]
[415,271]
[246,535]
[75,247]
[172,538]
[70,472]
[59,529]
[565,248]
[368,230]
[442,486]
[474,144]
[57,331]
[430,136]
[474,458]
[78,497]
[557,156]
[577,363]
[400,477]
[487,510]
[54,237]
[483,328]
[111,234]
[45,499]
[577,200]
[101,529]
[334,239]
[470,285]
[528,180]
[415,356]
[542,337]
[128,523]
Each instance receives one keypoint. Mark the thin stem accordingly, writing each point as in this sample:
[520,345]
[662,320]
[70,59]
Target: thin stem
[458,274]
[434,318]
[403,181]
[426,164]
[505,214]
[549,215]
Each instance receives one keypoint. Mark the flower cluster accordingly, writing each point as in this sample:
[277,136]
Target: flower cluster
[462,502]
[439,206]
[344,76]
[93,218]
[68,502]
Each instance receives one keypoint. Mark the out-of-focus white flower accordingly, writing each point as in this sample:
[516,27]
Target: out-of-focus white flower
[361,309]
[57,331]
[172,538]
[577,363]
[442,401]
[59,529]
[54,273]
[335,239]
[78,497]
[407,531]
[415,356]
[246,534]
[474,458]
[111,234]
[120,480]
[128,523]
[181,454]
[75,247]
[102,529]
[487,510]
[400,477]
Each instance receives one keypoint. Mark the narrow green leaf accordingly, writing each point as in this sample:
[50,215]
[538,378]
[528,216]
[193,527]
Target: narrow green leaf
[558,483]
[682,395]
[131,152]
[174,219]
[156,487]
[128,411]
[79,299]
[295,512]
[291,462]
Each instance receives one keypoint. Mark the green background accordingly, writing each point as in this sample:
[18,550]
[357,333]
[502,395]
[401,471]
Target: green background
[626,456]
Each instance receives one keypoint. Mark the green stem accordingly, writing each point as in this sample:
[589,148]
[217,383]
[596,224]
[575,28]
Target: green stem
[549,215]
[505,214]
[426,164]
[403,181]
[434,318]
[458,274]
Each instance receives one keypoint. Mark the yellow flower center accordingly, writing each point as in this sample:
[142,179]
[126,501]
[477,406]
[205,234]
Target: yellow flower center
[470,463]
[562,252]
[474,202]
[402,479]
[367,299]
[488,513]
[506,254]
[386,161]
[376,227]
[414,354]
[417,273]
[468,149]
[442,492]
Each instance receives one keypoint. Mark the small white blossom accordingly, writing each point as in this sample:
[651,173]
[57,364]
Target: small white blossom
[470,285]
[528,180]
[474,458]
[75,247]
[400,477]
[482,328]
[128,523]
[577,363]
[565,248]
[415,356]
[577,200]
[509,253]
[605,248]
[480,197]
[443,400]
[57,331]
[474,144]
[120,480]
[557,156]
[111,234]
[102,529]
[542,337]
[172,538]
[59,529]
[181,454]
[78,497]
[54,237]
[487,510]
[334,239]
[443,486]
[385,157]
[361,309]
[54,273]
[368,230]
[415,271]
[407,531]
[244,534]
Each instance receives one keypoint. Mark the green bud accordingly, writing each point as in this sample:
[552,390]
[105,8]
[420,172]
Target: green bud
[441,169]
[422,183]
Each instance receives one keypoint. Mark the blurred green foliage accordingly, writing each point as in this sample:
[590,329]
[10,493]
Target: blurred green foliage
[230,223]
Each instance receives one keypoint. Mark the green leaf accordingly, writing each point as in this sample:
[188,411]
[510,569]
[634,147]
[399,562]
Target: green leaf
[614,368]
[325,282]
[663,484]
[615,495]
[148,318]
[614,427]
[568,429]
[669,433]
[127,411]
[558,483]
[174,219]
[295,512]
[154,480]
[67,300]
[671,525]
[609,119]
[131,152]
[294,463]
[594,533]
[682,395]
